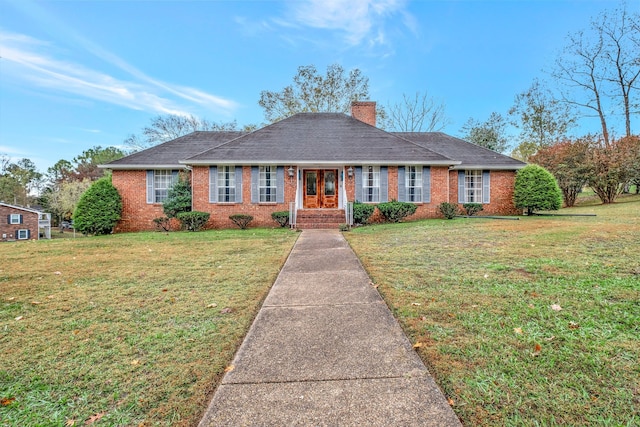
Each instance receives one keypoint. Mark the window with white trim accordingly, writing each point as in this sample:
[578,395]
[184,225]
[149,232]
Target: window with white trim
[15,219]
[22,234]
[473,186]
[371,184]
[162,181]
[267,184]
[413,183]
[226,184]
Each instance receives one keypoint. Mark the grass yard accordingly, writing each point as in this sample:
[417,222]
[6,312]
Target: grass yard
[130,329]
[529,322]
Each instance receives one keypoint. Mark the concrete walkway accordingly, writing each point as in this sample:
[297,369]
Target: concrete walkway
[325,350]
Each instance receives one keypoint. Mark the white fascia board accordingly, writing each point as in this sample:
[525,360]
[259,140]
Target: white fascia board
[22,208]
[485,167]
[320,162]
[142,167]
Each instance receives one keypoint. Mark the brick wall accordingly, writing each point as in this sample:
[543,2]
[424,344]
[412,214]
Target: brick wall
[138,215]
[220,212]
[501,201]
[29,222]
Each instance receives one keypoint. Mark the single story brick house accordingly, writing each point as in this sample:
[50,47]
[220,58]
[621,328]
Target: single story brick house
[313,165]
[20,223]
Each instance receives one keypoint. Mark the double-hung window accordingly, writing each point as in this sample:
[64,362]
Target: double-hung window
[371,184]
[15,219]
[473,186]
[413,183]
[22,234]
[267,184]
[162,182]
[226,184]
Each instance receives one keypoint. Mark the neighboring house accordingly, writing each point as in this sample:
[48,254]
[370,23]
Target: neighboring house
[313,165]
[18,223]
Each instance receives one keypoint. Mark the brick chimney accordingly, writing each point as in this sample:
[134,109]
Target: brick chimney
[365,111]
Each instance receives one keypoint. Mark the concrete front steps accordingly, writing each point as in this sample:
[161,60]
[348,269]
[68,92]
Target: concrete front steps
[307,219]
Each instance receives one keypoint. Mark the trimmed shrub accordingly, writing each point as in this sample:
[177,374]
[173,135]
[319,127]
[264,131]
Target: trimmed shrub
[99,208]
[536,189]
[472,208]
[193,220]
[362,212]
[178,198]
[281,217]
[241,220]
[395,211]
[449,210]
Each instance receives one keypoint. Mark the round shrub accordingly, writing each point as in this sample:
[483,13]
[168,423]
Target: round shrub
[536,189]
[99,208]
[449,210]
[194,220]
[281,217]
[395,211]
[241,220]
[362,212]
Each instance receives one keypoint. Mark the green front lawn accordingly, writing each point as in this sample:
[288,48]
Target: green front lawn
[129,329]
[529,322]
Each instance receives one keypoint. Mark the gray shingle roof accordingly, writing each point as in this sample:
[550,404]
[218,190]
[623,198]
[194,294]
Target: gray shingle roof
[319,138]
[169,154]
[308,138]
[471,155]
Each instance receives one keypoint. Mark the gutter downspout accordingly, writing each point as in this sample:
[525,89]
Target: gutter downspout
[190,169]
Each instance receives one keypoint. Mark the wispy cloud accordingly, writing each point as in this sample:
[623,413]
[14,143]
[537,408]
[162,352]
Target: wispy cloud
[26,61]
[359,21]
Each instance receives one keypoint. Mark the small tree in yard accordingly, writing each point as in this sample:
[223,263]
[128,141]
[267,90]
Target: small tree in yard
[178,198]
[569,162]
[614,166]
[536,189]
[99,208]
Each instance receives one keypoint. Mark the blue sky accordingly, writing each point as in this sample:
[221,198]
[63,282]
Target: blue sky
[77,74]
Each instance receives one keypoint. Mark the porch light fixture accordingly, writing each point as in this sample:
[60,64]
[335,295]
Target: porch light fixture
[290,171]
[350,172]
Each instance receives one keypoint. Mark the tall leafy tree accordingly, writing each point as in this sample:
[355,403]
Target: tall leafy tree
[62,200]
[86,164]
[541,119]
[491,134]
[418,113]
[61,171]
[19,181]
[314,93]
